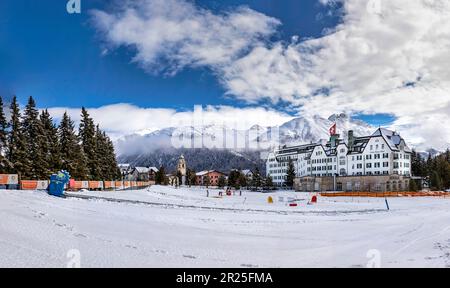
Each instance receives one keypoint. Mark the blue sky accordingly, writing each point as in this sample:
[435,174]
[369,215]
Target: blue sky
[56,56]
[259,61]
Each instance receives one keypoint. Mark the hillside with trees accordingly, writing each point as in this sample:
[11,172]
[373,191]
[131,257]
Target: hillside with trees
[436,169]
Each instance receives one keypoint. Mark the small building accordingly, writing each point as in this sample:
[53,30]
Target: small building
[213,175]
[124,168]
[173,180]
[125,171]
[152,173]
[248,174]
[140,174]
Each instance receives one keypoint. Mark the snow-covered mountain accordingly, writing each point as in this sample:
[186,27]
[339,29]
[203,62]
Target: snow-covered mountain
[303,130]
[221,147]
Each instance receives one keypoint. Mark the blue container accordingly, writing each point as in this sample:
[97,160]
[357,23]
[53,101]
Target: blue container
[57,183]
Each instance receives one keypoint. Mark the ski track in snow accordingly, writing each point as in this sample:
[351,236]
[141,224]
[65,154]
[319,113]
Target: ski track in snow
[166,227]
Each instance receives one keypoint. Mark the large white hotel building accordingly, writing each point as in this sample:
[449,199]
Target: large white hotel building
[383,153]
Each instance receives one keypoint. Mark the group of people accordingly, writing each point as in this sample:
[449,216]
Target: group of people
[228,192]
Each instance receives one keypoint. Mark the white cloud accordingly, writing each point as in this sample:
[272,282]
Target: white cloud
[176,33]
[124,119]
[385,57]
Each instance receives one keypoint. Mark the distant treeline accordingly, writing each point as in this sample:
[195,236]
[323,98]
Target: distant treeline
[34,147]
[435,169]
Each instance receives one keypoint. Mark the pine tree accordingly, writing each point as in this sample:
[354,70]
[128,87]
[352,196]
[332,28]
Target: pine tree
[160,177]
[418,165]
[51,148]
[73,158]
[107,168]
[88,141]
[269,182]
[443,170]
[5,165]
[290,174]
[242,180]
[191,177]
[206,181]
[436,181]
[101,152]
[256,179]
[36,142]
[222,182]
[17,153]
[413,187]
[113,166]
[233,178]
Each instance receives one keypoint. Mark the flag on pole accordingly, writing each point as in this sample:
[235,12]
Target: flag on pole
[333,130]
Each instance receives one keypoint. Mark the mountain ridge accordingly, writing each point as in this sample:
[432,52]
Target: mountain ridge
[157,148]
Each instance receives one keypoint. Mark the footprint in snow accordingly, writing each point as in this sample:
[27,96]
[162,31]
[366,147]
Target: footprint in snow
[189,256]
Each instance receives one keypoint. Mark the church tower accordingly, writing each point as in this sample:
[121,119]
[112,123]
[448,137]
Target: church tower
[181,169]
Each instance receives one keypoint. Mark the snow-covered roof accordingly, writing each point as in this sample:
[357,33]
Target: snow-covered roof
[393,139]
[154,169]
[203,173]
[142,169]
[247,172]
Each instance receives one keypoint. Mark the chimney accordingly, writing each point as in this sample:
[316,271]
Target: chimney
[351,140]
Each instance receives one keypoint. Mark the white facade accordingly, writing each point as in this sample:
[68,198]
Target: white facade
[382,153]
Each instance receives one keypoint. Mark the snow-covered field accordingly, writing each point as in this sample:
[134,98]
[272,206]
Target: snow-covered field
[167,227]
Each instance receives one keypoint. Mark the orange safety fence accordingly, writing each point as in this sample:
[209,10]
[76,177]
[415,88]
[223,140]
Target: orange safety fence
[33,184]
[28,184]
[8,179]
[73,185]
[95,184]
[78,185]
[384,194]
[109,184]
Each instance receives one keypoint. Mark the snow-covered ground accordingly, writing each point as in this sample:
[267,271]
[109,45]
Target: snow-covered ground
[167,227]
